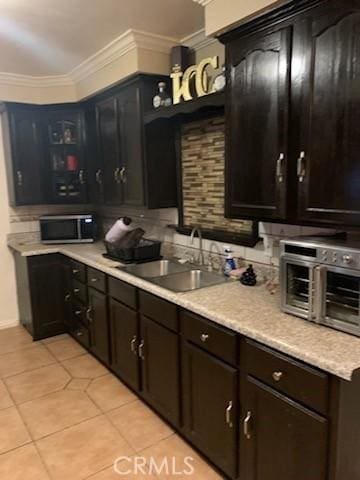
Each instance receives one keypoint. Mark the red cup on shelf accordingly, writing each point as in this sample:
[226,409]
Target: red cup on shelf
[72,163]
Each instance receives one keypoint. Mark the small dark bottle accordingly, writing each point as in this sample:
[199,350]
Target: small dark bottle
[248,278]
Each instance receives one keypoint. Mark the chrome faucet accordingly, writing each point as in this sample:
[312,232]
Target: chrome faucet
[201,253]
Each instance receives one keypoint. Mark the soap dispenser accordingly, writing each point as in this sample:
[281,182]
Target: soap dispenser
[230,264]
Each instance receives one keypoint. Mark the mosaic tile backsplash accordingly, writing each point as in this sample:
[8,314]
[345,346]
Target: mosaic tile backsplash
[203,163]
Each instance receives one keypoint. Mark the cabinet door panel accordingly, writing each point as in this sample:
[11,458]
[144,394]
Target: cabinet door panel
[257,119]
[209,389]
[99,329]
[109,149]
[48,287]
[159,351]
[124,343]
[27,158]
[131,135]
[285,440]
[329,191]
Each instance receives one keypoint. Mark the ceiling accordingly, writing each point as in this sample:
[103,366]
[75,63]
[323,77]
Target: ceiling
[51,37]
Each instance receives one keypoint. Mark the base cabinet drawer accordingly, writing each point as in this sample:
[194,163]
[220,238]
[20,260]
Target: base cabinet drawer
[96,279]
[81,334]
[160,310]
[79,291]
[78,271]
[123,292]
[210,406]
[124,343]
[211,337]
[295,379]
[279,438]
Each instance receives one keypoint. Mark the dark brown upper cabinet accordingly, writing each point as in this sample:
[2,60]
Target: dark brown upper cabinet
[328,44]
[24,154]
[292,112]
[132,159]
[106,174]
[44,154]
[257,125]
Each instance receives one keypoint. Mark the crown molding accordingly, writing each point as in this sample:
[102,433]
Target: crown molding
[198,40]
[14,79]
[120,46]
[203,3]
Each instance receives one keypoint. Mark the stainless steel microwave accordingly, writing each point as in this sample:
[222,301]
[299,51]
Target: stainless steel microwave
[320,281]
[68,228]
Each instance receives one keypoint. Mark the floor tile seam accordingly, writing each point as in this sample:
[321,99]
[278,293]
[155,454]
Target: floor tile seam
[99,414]
[3,377]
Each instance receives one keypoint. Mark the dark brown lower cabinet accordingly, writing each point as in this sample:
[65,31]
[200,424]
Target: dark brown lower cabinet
[159,355]
[42,286]
[124,343]
[210,406]
[98,324]
[279,438]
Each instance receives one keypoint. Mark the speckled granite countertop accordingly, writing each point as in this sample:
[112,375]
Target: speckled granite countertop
[251,311]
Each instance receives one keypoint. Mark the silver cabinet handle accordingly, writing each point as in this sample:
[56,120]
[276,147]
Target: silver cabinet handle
[78,312]
[79,334]
[228,414]
[75,271]
[246,425]
[279,168]
[133,345]
[277,376]
[81,177]
[98,176]
[301,170]
[204,337]
[76,290]
[117,175]
[19,178]
[94,280]
[122,174]
[141,350]
[67,297]
[88,314]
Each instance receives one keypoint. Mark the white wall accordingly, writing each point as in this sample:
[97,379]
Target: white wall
[220,14]
[8,301]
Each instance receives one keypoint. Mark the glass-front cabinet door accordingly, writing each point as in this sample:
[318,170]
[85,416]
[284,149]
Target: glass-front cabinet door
[67,182]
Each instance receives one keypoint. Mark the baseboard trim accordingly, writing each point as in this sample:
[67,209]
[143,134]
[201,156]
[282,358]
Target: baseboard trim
[9,323]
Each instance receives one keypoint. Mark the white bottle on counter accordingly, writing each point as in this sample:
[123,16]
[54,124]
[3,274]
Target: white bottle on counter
[118,230]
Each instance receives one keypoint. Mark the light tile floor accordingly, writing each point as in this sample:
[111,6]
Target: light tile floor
[64,416]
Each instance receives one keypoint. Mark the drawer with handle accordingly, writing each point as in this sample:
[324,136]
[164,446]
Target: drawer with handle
[211,337]
[82,335]
[159,310]
[78,270]
[79,312]
[96,279]
[79,291]
[295,379]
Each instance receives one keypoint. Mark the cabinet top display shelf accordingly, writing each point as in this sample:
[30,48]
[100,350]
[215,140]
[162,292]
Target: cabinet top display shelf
[209,104]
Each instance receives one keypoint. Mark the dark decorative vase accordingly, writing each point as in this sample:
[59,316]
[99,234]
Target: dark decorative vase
[248,278]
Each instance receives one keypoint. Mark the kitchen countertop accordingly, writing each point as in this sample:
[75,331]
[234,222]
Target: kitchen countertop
[251,311]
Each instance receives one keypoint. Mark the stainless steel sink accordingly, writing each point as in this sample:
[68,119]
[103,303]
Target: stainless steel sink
[158,268]
[190,280]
